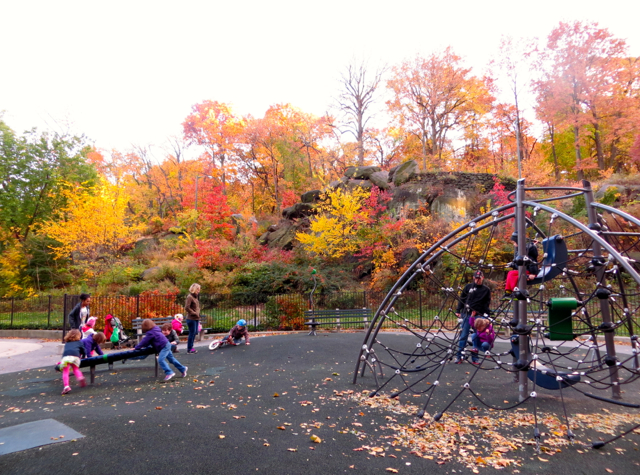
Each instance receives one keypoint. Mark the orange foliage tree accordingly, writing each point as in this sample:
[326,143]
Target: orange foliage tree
[435,96]
[213,125]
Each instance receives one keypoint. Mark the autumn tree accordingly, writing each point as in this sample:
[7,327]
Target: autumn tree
[33,169]
[93,222]
[512,64]
[281,150]
[359,86]
[581,70]
[213,125]
[333,231]
[435,97]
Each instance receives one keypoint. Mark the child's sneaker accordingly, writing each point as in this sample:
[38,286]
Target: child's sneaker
[83,382]
[184,375]
[474,350]
[66,389]
[169,376]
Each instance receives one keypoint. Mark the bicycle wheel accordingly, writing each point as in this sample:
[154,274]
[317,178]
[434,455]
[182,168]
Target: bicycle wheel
[214,345]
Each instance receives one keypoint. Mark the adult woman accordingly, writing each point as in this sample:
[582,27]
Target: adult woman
[80,313]
[192,310]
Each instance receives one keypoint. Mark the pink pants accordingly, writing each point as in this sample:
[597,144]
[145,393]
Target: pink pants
[65,374]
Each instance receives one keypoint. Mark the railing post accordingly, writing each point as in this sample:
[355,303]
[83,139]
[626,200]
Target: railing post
[49,313]
[420,305]
[64,316]
[255,310]
[137,306]
[12,302]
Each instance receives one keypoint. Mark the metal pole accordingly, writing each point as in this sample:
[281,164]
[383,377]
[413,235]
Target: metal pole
[12,303]
[49,313]
[609,341]
[521,304]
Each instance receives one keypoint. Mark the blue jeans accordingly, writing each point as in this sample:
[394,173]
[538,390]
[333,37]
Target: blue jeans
[238,341]
[478,345]
[166,355]
[464,332]
[193,331]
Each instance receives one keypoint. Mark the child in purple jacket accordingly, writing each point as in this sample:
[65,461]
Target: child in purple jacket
[92,343]
[483,338]
[154,337]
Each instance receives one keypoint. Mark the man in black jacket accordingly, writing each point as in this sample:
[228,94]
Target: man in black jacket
[474,300]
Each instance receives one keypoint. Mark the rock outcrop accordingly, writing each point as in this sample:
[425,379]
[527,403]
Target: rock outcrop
[449,195]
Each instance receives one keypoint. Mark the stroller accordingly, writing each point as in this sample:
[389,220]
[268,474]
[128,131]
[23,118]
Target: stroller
[118,336]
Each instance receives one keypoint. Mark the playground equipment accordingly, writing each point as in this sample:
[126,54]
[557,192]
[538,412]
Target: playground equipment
[110,358]
[564,320]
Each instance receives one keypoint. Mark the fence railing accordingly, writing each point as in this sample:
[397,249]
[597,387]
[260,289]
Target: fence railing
[219,312]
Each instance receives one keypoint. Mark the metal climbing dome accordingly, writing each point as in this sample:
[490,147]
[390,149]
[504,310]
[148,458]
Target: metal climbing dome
[555,330]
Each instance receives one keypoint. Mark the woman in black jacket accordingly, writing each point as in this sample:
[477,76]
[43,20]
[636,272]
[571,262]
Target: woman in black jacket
[80,313]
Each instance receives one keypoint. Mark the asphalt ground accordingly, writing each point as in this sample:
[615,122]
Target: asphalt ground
[253,409]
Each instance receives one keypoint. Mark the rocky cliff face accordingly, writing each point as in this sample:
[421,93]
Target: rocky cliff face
[451,196]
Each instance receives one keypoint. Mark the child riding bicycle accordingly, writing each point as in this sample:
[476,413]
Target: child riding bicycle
[234,337]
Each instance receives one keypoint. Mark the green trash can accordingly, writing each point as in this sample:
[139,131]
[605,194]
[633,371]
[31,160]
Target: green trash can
[560,319]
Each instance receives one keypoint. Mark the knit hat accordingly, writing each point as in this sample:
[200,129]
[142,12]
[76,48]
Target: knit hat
[92,321]
[477,274]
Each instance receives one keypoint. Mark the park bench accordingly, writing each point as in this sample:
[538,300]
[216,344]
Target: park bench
[137,324]
[337,318]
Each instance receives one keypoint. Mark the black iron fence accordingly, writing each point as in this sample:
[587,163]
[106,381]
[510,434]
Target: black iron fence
[219,312]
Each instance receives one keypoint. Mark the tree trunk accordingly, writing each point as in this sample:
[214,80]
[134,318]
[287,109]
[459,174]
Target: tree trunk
[598,140]
[576,144]
[552,136]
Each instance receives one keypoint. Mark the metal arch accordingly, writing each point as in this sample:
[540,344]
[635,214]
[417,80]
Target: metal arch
[622,214]
[610,249]
[579,191]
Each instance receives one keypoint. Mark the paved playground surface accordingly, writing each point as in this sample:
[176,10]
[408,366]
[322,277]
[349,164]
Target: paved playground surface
[254,410]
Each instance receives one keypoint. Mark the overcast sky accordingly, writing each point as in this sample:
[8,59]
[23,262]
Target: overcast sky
[128,72]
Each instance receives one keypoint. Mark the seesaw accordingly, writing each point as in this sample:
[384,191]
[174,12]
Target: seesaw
[110,358]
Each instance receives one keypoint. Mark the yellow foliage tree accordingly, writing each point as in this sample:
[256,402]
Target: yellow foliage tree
[94,222]
[333,231]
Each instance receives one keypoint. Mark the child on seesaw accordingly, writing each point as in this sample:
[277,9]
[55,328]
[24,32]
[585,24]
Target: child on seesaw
[73,351]
[154,337]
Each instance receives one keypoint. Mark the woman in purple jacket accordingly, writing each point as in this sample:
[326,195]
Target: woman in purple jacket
[154,337]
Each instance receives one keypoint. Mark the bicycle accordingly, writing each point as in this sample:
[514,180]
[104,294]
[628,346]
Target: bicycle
[214,345]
